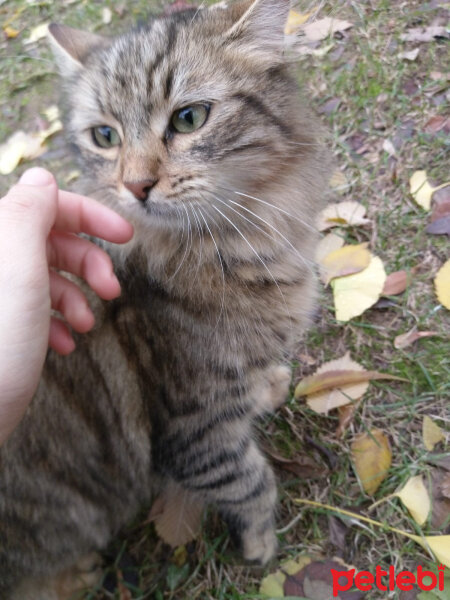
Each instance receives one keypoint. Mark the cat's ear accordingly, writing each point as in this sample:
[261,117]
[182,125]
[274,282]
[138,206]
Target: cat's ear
[259,27]
[72,46]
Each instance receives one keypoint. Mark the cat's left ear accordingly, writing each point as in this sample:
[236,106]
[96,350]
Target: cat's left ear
[259,28]
[71,47]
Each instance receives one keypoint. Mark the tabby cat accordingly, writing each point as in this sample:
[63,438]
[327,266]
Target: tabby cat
[192,128]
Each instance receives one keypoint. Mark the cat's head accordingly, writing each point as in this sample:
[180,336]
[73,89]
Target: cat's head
[187,111]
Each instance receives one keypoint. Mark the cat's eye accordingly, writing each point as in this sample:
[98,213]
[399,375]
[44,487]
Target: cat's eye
[105,136]
[190,118]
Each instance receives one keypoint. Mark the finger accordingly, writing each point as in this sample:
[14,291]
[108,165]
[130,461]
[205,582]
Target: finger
[59,337]
[81,257]
[71,303]
[81,214]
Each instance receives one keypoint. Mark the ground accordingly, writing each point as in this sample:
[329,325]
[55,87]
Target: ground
[366,93]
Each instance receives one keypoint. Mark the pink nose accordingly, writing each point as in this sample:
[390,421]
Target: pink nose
[140,189]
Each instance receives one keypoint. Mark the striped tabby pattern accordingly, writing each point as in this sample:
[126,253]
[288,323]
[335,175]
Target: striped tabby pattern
[217,285]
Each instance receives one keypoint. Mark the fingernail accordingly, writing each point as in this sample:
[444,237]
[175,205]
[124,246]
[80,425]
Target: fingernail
[36,176]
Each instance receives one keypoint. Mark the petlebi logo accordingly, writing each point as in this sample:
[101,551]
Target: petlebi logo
[387,580]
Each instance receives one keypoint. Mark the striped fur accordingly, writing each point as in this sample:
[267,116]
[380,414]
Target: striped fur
[217,286]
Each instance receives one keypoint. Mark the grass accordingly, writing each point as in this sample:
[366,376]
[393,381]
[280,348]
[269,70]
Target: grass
[382,96]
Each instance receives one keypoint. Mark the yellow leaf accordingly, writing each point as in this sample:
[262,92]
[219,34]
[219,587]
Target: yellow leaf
[295,20]
[19,146]
[442,285]
[344,213]
[356,293]
[10,32]
[51,113]
[338,180]
[327,244]
[420,189]
[415,497]
[432,434]
[272,585]
[372,458]
[38,33]
[346,261]
[438,544]
[177,515]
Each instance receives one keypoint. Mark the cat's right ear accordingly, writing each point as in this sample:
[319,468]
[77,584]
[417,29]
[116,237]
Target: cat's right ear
[72,46]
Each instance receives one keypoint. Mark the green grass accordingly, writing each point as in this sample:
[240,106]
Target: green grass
[365,72]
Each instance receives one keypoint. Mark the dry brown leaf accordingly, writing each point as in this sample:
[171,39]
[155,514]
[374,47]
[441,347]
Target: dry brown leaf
[323,400]
[342,214]
[440,500]
[439,226]
[345,261]
[346,414]
[323,28]
[436,124]
[424,34]
[442,284]
[432,434]
[303,467]
[396,283]
[372,458]
[406,339]
[354,294]
[177,515]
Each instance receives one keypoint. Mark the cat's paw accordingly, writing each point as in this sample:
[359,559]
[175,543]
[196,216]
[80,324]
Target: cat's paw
[279,378]
[87,573]
[259,548]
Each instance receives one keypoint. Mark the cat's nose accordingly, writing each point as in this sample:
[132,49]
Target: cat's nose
[140,189]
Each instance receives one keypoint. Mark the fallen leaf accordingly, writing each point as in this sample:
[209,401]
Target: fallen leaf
[345,261]
[10,32]
[302,467]
[25,146]
[272,585]
[319,52]
[432,434]
[410,54]
[406,339]
[372,458]
[330,107]
[389,147]
[415,497]
[337,383]
[51,113]
[439,226]
[338,181]
[424,34]
[326,245]
[323,28]
[19,146]
[177,515]
[396,283]
[346,414]
[106,15]
[354,294]
[440,500]
[438,544]
[38,33]
[295,21]
[420,189]
[445,486]
[436,124]
[344,214]
[442,285]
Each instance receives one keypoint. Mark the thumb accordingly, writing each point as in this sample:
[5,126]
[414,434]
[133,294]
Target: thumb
[32,201]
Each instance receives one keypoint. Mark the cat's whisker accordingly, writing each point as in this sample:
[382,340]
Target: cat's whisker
[188,245]
[222,304]
[282,210]
[308,263]
[257,256]
[200,234]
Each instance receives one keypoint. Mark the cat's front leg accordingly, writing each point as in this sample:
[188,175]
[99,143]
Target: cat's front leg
[225,467]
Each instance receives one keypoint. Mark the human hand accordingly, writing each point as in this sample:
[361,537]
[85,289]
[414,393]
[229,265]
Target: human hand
[38,224]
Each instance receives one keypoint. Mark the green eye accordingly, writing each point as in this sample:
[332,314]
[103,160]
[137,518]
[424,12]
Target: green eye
[190,118]
[105,137]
